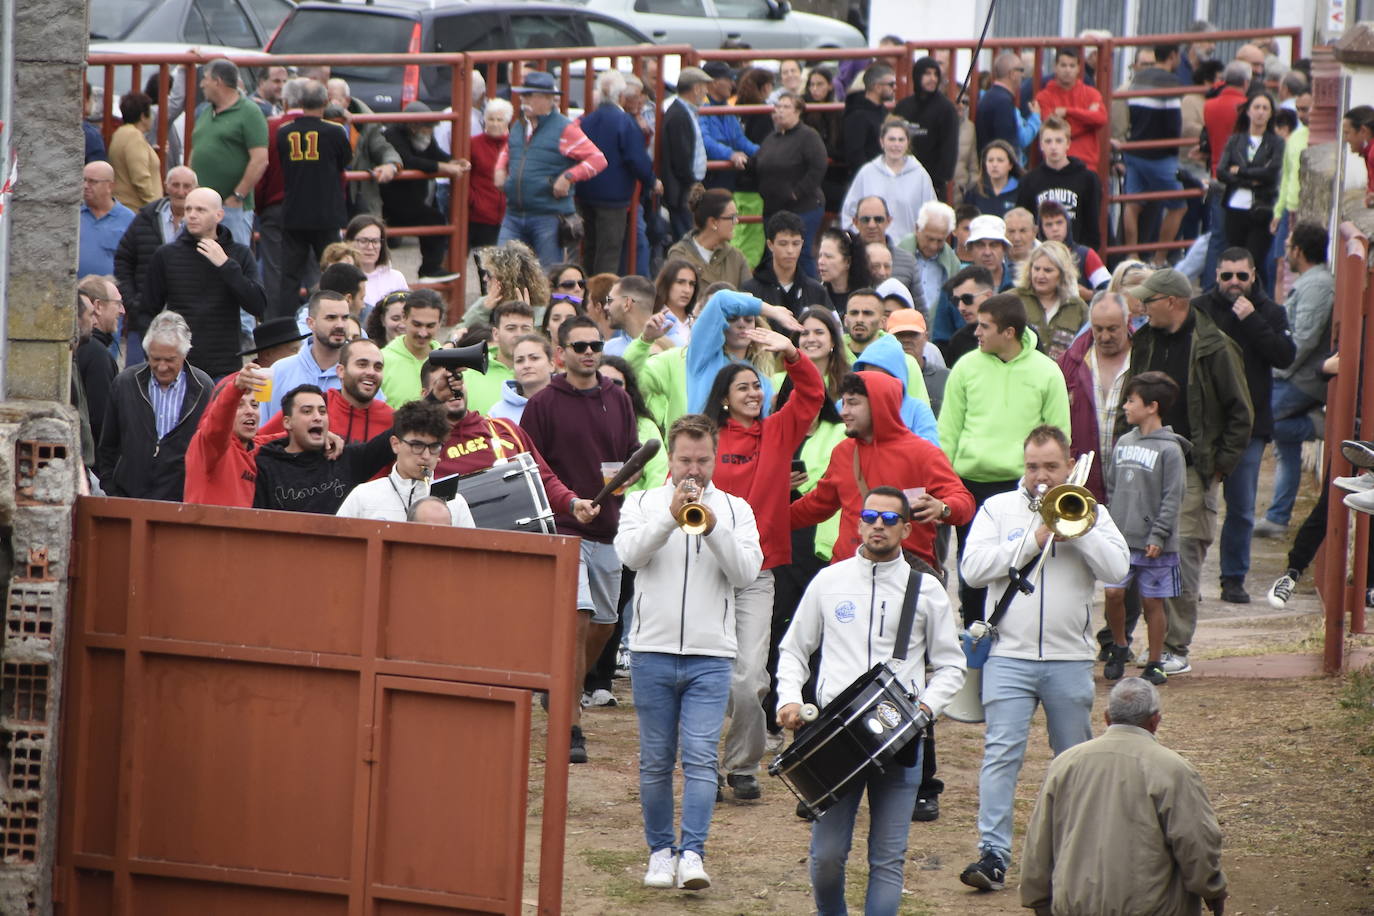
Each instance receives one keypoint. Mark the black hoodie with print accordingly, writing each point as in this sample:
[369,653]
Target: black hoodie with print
[934,126]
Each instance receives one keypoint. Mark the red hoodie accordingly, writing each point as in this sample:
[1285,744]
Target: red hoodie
[352,424]
[476,442]
[1085,122]
[220,469]
[755,464]
[897,458]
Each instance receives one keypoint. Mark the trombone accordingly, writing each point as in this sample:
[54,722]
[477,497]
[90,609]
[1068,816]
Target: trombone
[1069,511]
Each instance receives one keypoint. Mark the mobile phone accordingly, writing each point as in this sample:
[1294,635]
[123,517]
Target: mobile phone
[798,466]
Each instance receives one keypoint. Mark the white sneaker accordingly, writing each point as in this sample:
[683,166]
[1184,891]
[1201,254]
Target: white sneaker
[691,874]
[586,699]
[601,697]
[1175,664]
[1281,591]
[1357,484]
[662,869]
[1361,502]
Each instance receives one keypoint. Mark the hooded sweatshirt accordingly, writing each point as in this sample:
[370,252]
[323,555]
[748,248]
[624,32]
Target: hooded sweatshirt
[310,482]
[1054,622]
[1075,187]
[220,467]
[1145,484]
[578,429]
[895,457]
[512,404]
[352,424]
[933,123]
[755,463]
[905,191]
[1084,120]
[887,355]
[991,406]
[851,611]
[475,443]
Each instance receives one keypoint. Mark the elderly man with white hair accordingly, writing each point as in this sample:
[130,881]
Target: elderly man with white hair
[936,262]
[152,414]
[604,199]
[1123,824]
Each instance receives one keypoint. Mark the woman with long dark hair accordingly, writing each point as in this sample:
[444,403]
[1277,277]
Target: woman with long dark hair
[1249,169]
[841,265]
[994,193]
[708,245]
[678,290]
[753,462]
[820,89]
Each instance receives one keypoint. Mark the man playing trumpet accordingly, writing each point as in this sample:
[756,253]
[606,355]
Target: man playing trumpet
[1045,648]
[691,545]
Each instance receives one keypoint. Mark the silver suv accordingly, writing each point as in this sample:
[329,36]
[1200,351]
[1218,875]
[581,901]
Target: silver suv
[707,24]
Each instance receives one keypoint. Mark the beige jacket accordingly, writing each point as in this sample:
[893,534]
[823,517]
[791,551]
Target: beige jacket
[1123,826]
[138,173]
[727,264]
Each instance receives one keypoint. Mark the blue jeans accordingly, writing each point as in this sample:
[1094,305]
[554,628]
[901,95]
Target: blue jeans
[1011,689]
[538,232]
[891,795]
[679,699]
[1269,270]
[1216,241]
[1239,492]
[1292,427]
[641,248]
[811,221]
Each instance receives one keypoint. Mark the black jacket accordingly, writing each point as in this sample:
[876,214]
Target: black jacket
[182,279]
[131,260]
[679,145]
[934,127]
[1075,187]
[403,197]
[805,292]
[863,119]
[1265,344]
[1260,174]
[130,460]
[98,369]
[790,167]
[310,482]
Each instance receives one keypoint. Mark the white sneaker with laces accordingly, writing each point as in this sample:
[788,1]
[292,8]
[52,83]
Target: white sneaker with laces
[691,874]
[1175,664]
[1356,484]
[662,869]
[1281,591]
[602,697]
[1361,502]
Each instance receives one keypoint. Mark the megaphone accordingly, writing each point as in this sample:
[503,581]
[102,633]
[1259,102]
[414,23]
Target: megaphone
[452,358]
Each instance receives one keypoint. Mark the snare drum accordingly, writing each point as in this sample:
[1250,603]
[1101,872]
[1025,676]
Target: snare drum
[508,496]
[864,727]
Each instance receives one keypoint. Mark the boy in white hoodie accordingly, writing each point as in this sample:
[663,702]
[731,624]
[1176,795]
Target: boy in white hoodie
[1045,647]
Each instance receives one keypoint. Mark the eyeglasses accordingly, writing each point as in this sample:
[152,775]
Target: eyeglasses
[368,242]
[871,516]
[420,446]
[964,298]
[582,346]
[1153,299]
[872,219]
[572,284]
[1241,275]
[729,217]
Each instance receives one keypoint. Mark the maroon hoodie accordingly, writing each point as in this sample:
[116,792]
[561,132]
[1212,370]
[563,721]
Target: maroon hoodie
[575,431]
[475,443]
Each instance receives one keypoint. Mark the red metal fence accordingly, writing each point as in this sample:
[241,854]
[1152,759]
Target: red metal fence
[569,60]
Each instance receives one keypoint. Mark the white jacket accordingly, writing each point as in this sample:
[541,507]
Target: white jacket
[685,585]
[850,612]
[390,499]
[1055,622]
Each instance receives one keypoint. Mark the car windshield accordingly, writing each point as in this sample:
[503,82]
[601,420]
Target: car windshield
[333,31]
[113,19]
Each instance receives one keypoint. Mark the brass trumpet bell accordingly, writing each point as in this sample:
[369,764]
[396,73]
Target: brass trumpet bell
[1069,510]
[694,518]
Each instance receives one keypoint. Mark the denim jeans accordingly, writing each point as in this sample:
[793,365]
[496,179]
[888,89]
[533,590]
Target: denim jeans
[1239,492]
[538,232]
[1011,689]
[891,795]
[679,699]
[1269,270]
[811,222]
[1292,427]
[239,222]
[1216,241]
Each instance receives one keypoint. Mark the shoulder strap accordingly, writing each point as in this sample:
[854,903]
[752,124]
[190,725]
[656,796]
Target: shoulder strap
[1004,603]
[913,591]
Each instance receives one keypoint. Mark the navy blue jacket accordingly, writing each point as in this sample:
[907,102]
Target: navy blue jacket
[997,117]
[620,140]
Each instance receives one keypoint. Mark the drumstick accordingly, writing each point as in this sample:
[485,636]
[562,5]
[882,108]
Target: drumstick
[632,467]
[809,712]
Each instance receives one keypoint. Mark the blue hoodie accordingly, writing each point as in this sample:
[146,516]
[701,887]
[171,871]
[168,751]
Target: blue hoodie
[706,352]
[886,354]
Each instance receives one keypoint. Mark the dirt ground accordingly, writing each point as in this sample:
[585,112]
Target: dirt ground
[1281,758]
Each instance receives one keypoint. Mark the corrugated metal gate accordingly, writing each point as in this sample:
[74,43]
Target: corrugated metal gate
[272,713]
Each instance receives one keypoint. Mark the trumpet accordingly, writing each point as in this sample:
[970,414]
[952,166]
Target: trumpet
[695,517]
[1069,511]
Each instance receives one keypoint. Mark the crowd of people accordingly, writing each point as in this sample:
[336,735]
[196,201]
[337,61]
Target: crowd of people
[846,401]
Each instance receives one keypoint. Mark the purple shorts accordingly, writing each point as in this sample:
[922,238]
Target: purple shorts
[1157,578]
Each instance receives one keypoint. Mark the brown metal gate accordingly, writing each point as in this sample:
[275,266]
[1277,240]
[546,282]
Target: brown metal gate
[286,714]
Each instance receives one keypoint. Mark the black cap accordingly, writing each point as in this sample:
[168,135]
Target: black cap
[718,70]
[273,333]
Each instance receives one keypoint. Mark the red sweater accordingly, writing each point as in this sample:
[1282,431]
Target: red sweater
[755,464]
[1084,121]
[476,443]
[1219,115]
[352,424]
[220,469]
[486,202]
[897,458]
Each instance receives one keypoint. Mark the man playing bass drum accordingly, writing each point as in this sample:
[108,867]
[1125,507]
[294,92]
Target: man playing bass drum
[851,611]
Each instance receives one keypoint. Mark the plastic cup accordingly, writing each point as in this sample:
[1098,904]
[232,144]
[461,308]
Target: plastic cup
[608,471]
[263,393]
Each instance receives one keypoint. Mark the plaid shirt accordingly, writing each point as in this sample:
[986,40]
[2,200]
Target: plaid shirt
[1108,409]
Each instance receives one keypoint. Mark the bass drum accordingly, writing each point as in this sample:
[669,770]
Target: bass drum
[967,705]
[864,727]
[508,496]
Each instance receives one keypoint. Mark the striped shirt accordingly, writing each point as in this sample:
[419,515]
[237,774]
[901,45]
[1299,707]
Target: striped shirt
[166,402]
[1108,407]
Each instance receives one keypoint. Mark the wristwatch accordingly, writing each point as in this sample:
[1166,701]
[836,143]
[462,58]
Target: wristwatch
[235,195]
[944,513]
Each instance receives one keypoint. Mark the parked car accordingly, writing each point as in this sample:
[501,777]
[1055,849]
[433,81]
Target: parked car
[242,24]
[706,24]
[458,26]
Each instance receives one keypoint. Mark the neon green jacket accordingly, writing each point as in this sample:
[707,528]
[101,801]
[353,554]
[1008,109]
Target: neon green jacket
[991,406]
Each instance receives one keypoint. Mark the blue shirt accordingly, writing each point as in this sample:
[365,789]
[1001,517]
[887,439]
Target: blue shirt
[699,144]
[100,237]
[166,402]
[300,369]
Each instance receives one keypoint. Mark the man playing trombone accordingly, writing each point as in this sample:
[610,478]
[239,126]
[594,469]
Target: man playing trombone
[691,545]
[1044,649]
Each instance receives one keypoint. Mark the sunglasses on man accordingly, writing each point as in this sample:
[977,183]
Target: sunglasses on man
[890,519]
[582,346]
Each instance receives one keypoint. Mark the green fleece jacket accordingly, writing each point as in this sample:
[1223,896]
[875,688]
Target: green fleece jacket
[991,406]
[662,380]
